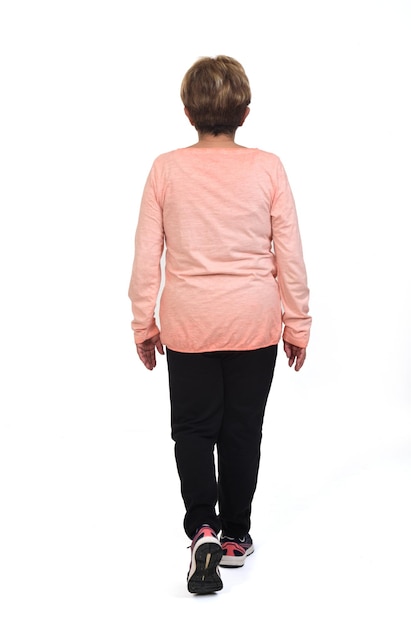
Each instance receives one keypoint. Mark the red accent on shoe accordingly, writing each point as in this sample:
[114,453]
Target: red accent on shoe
[235,551]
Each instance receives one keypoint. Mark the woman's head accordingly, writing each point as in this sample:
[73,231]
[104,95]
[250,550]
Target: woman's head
[216,94]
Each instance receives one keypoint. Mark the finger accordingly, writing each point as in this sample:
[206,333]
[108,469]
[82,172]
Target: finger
[160,347]
[300,361]
[150,364]
[147,357]
[151,360]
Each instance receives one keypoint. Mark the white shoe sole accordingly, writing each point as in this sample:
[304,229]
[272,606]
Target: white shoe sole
[236,561]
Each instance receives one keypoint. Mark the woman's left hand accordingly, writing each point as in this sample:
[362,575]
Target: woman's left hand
[147,351]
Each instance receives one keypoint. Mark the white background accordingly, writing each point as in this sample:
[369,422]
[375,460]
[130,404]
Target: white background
[91,515]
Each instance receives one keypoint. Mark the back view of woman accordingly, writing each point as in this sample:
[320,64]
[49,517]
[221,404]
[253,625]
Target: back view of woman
[235,284]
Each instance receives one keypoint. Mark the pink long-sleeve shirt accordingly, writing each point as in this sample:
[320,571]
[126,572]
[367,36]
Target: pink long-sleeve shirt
[235,276]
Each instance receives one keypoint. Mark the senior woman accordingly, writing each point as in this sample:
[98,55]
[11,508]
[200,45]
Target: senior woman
[235,284]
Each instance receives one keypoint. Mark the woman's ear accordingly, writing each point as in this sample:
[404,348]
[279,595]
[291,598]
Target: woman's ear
[245,115]
[187,112]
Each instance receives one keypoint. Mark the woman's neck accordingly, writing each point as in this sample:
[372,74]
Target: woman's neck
[212,141]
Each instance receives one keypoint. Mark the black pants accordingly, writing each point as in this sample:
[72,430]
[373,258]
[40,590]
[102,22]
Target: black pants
[218,399]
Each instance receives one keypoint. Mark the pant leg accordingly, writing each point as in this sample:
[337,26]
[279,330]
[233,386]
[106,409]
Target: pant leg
[196,395]
[247,382]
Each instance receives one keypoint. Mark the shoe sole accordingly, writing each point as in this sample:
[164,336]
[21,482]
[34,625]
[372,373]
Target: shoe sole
[205,577]
[236,561]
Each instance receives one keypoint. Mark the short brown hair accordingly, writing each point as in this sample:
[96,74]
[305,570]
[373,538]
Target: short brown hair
[216,93]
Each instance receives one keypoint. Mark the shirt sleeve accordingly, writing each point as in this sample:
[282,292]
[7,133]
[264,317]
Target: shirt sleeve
[146,273]
[291,271]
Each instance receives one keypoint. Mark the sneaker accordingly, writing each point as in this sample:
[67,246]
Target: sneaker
[206,553]
[235,550]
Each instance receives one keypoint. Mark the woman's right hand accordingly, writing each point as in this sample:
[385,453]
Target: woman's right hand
[295,354]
